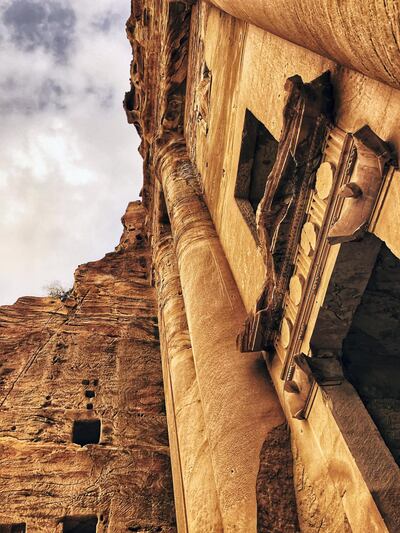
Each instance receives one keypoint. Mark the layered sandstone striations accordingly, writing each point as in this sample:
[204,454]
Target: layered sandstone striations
[94,356]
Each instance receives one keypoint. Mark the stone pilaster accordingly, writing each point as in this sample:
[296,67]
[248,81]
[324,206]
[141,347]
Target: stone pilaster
[196,499]
[239,403]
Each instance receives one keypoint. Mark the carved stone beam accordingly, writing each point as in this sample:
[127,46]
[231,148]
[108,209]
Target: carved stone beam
[332,32]
[360,193]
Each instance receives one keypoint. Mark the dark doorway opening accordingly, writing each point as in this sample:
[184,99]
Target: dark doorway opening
[80,524]
[86,432]
[12,528]
[371,349]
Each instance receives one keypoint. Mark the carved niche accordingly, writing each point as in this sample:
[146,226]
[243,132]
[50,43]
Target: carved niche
[306,119]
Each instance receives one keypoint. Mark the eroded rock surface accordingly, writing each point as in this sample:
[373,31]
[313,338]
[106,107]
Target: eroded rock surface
[94,356]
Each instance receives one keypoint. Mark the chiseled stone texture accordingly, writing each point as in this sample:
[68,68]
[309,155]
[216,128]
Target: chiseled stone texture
[93,356]
[361,35]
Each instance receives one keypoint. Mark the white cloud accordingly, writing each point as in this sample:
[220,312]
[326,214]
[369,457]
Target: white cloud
[68,159]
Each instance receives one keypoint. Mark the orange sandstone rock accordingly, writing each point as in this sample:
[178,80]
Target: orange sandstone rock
[93,357]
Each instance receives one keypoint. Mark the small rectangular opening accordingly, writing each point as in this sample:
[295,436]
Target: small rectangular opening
[86,432]
[12,528]
[80,524]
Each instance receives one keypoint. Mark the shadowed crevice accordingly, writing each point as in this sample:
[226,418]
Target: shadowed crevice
[276,500]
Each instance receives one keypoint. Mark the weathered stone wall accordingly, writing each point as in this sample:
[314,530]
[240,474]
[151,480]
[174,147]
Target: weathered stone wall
[361,35]
[238,402]
[93,356]
[248,68]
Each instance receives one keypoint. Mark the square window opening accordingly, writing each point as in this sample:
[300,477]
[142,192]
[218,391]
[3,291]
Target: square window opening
[86,432]
[80,524]
[257,157]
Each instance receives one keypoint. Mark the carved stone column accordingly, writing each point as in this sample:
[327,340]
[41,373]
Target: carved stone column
[196,499]
[354,33]
[239,403]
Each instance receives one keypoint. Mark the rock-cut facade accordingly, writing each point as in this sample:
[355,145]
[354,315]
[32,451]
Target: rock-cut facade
[233,365]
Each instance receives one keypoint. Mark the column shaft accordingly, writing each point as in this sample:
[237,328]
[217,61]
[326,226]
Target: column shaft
[191,459]
[239,404]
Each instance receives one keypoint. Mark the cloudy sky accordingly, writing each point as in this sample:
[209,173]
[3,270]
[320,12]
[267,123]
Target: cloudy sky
[68,159]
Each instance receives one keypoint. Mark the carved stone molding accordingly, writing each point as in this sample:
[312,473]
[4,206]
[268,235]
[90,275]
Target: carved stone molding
[360,159]
[155,104]
[298,387]
[306,373]
[307,117]
[373,157]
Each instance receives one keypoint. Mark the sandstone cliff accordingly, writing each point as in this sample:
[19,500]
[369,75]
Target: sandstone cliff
[92,358]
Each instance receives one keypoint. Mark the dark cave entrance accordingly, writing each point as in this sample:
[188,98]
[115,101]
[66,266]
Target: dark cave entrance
[371,349]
